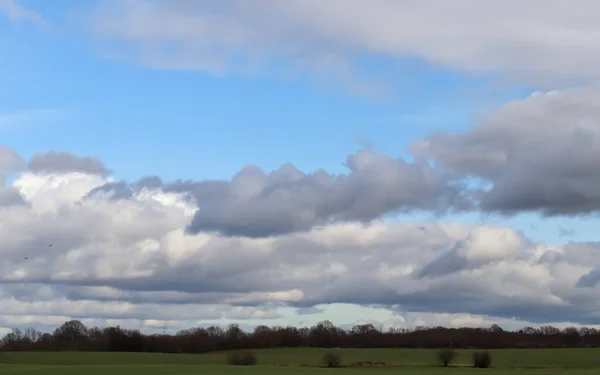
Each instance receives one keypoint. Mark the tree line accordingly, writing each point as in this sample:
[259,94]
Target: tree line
[74,335]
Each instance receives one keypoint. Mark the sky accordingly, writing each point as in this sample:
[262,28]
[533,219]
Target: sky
[172,164]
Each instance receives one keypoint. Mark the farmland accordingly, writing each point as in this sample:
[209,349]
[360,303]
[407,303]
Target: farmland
[300,361]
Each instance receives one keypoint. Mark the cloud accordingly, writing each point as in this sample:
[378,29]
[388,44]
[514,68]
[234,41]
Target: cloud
[78,244]
[553,47]
[537,154]
[257,204]
[16,12]
[464,320]
[54,161]
[10,196]
[131,259]
[10,162]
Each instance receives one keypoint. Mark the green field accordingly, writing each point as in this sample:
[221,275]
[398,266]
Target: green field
[300,361]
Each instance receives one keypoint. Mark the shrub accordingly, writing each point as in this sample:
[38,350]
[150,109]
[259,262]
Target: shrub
[241,358]
[332,359]
[482,359]
[445,356]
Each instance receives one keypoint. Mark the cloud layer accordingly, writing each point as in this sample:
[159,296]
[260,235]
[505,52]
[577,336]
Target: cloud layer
[77,243]
[131,258]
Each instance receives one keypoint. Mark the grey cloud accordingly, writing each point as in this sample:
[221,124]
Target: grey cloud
[474,251]
[358,291]
[538,154]
[144,311]
[459,297]
[60,162]
[119,190]
[201,192]
[590,279]
[286,200]
[157,297]
[550,257]
[308,310]
[257,204]
[524,309]
[558,178]
[584,253]
[449,262]
[11,197]
[10,162]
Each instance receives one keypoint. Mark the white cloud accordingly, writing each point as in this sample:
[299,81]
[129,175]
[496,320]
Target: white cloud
[540,41]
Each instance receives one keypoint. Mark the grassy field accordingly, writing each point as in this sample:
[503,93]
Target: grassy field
[300,361]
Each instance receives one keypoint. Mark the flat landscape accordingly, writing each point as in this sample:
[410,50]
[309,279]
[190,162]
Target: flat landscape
[300,361]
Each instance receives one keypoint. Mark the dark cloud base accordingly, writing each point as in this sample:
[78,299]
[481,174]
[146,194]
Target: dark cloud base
[61,162]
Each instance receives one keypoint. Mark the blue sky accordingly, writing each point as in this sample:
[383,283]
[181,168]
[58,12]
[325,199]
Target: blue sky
[143,102]
[231,120]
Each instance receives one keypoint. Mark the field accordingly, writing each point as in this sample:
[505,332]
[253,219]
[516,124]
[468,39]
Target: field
[299,361]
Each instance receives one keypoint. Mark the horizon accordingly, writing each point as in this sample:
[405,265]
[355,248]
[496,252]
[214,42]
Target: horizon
[288,163]
[161,329]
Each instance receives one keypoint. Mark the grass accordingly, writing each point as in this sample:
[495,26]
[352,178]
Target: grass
[300,361]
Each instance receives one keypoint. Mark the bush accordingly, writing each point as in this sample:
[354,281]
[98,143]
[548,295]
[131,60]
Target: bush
[445,356]
[241,358]
[332,359]
[482,359]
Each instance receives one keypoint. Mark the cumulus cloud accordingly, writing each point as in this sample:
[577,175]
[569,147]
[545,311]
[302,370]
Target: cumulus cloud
[538,154]
[131,259]
[257,204]
[556,46]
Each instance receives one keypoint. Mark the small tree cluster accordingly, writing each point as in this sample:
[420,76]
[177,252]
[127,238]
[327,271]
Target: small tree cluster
[332,359]
[241,358]
[445,356]
[482,359]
